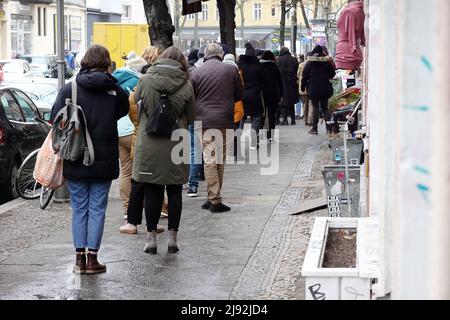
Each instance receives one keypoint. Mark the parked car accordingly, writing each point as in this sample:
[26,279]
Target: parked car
[41,64]
[42,93]
[16,69]
[21,132]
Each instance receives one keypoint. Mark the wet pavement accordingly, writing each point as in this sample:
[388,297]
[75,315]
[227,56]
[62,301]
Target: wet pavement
[253,252]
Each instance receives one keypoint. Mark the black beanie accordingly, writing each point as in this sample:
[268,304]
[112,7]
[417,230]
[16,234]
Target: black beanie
[249,50]
[193,55]
[318,51]
[268,55]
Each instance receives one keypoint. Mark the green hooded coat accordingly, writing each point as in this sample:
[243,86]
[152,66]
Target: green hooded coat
[153,156]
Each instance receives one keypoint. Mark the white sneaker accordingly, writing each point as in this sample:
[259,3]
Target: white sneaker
[164,215]
[128,229]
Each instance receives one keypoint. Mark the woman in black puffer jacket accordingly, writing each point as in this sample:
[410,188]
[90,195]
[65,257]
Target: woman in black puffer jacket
[103,102]
[252,74]
[272,88]
[316,80]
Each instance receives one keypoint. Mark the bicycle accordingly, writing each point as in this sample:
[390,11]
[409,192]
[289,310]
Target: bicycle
[26,186]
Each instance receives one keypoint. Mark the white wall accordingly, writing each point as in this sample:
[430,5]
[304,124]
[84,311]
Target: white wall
[45,44]
[440,254]
[404,168]
[137,12]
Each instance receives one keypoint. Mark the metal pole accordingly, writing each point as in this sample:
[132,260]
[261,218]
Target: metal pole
[347,176]
[62,194]
[294,29]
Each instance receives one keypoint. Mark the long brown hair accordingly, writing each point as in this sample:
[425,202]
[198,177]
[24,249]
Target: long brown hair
[175,54]
[96,57]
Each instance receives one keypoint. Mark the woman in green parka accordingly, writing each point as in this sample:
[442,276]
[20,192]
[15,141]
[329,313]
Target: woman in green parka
[153,164]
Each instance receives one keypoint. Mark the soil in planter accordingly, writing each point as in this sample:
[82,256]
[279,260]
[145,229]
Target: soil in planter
[340,250]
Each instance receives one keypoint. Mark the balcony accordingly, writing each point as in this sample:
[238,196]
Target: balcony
[36,1]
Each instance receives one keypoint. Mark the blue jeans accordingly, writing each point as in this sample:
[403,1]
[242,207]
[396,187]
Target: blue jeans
[196,164]
[89,201]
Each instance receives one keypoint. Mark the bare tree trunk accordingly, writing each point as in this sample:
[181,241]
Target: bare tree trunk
[294,28]
[282,22]
[227,23]
[316,8]
[196,39]
[176,18]
[158,18]
[241,8]
[305,17]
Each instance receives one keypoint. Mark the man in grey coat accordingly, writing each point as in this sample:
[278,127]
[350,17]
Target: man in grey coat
[217,87]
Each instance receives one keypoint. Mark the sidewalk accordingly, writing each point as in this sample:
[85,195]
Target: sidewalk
[253,252]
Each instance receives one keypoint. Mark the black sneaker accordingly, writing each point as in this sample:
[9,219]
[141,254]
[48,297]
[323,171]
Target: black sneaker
[192,192]
[207,205]
[219,207]
[313,131]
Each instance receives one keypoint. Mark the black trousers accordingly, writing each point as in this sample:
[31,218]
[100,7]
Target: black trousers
[154,197]
[288,111]
[322,105]
[271,113]
[135,203]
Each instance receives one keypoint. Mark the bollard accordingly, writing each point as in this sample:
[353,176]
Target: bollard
[62,194]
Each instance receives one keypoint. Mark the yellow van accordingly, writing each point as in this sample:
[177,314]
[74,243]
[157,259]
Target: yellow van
[121,38]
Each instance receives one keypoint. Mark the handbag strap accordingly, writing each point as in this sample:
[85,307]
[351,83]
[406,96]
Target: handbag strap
[89,155]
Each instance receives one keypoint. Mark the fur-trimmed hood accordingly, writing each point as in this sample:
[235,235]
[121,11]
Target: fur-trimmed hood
[319,59]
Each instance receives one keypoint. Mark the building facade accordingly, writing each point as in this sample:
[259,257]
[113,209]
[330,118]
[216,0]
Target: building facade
[29,26]
[101,11]
[257,22]
[133,12]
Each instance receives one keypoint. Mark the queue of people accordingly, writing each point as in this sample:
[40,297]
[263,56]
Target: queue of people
[212,87]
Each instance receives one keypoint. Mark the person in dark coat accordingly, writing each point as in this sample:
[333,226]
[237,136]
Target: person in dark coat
[252,74]
[316,80]
[217,86]
[272,88]
[192,59]
[288,66]
[104,103]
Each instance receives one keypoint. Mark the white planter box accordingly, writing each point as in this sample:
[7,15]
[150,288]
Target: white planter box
[345,283]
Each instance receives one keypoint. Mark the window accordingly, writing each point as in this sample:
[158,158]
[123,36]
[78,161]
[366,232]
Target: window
[26,106]
[75,33]
[274,11]
[257,11]
[126,11]
[11,107]
[44,15]
[191,17]
[204,12]
[39,21]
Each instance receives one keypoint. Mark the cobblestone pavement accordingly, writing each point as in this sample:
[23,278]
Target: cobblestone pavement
[26,225]
[285,238]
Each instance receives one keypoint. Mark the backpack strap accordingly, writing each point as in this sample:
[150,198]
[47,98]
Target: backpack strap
[89,155]
[74,91]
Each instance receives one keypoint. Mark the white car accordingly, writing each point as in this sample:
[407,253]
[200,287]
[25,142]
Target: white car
[16,69]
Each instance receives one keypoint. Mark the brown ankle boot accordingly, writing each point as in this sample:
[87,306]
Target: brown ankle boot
[92,264]
[80,263]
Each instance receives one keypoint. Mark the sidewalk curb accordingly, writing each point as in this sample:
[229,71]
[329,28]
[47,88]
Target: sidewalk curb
[4,208]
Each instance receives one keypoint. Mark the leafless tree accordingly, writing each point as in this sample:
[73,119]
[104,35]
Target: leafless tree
[158,18]
[227,23]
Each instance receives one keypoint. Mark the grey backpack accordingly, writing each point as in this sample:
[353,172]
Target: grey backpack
[70,135]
